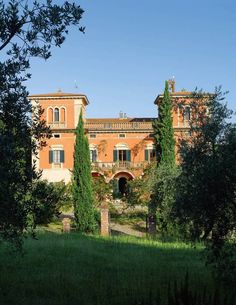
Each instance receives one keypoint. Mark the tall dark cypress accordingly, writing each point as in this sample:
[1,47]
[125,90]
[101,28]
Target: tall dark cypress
[165,146]
[82,182]
[164,132]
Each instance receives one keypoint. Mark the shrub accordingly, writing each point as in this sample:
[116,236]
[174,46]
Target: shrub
[48,198]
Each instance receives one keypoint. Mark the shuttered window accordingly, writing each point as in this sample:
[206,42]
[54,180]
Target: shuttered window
[146,155]
[150,155]
[121,155]
[115,155]
[93,155]
[56,156]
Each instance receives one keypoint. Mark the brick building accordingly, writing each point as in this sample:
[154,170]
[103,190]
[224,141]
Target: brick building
[120,148]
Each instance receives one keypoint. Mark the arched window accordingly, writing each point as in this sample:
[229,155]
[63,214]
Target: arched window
[56,115]
[63,114]
[50,115]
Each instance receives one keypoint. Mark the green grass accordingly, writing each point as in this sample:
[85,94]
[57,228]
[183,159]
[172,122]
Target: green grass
[82,270]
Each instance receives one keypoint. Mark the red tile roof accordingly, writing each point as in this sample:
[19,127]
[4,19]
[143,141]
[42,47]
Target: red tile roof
[58,95]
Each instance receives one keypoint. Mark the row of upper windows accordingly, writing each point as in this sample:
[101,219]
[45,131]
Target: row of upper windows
[57,156]
[120,135]
[56,115]
[124,155]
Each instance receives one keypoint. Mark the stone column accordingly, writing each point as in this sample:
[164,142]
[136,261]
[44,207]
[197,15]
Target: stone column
[105,230]
[66,225]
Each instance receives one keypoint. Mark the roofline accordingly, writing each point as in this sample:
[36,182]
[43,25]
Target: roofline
[172,95]
[51,97]
[178,94]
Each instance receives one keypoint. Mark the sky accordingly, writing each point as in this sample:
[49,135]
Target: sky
[130,47]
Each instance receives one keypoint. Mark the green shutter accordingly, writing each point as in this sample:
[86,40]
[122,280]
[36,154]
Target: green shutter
[146,155]
[115,153]
[50,156]
[128,155]
[62,156]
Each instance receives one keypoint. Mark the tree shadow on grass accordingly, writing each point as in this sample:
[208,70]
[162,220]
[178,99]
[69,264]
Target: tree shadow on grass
[87,269]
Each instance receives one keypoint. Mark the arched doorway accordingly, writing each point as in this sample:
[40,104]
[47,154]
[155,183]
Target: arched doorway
[122,185]
[119,181]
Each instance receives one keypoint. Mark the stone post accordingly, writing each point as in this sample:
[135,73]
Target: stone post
[66,225]
[105,230]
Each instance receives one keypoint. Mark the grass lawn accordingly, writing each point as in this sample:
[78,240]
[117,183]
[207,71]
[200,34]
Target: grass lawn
[82,270]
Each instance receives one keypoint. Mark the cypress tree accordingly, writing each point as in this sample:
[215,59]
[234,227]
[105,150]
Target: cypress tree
[82,182]
[162,195]
[164,132]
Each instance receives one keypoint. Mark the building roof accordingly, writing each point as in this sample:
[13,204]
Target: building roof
[118,120]
[58,95]
[174,94]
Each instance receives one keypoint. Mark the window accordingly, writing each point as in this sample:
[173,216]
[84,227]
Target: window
[93,135]
[93,155]
[150,153]
[62,114]
[56,135]
[56,156]
[187,114]
[121,155]
[122,135]
[56,115]
[50,115]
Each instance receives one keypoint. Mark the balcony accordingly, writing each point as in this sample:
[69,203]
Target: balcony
[119,126]
[119,165]
[57,125]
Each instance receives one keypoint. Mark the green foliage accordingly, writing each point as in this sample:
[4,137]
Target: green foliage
[48,198]
[26,30]
[140,189]
[183,295]
[38,25]
[205,201]
[83,199]
[101,190]
[105,271]
[164,198]
[163,130]
[223,260]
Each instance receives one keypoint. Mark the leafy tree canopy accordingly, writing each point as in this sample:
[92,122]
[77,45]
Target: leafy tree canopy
[206,196]
[26,30]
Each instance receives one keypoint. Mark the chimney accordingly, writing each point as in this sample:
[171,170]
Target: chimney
[121,115]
